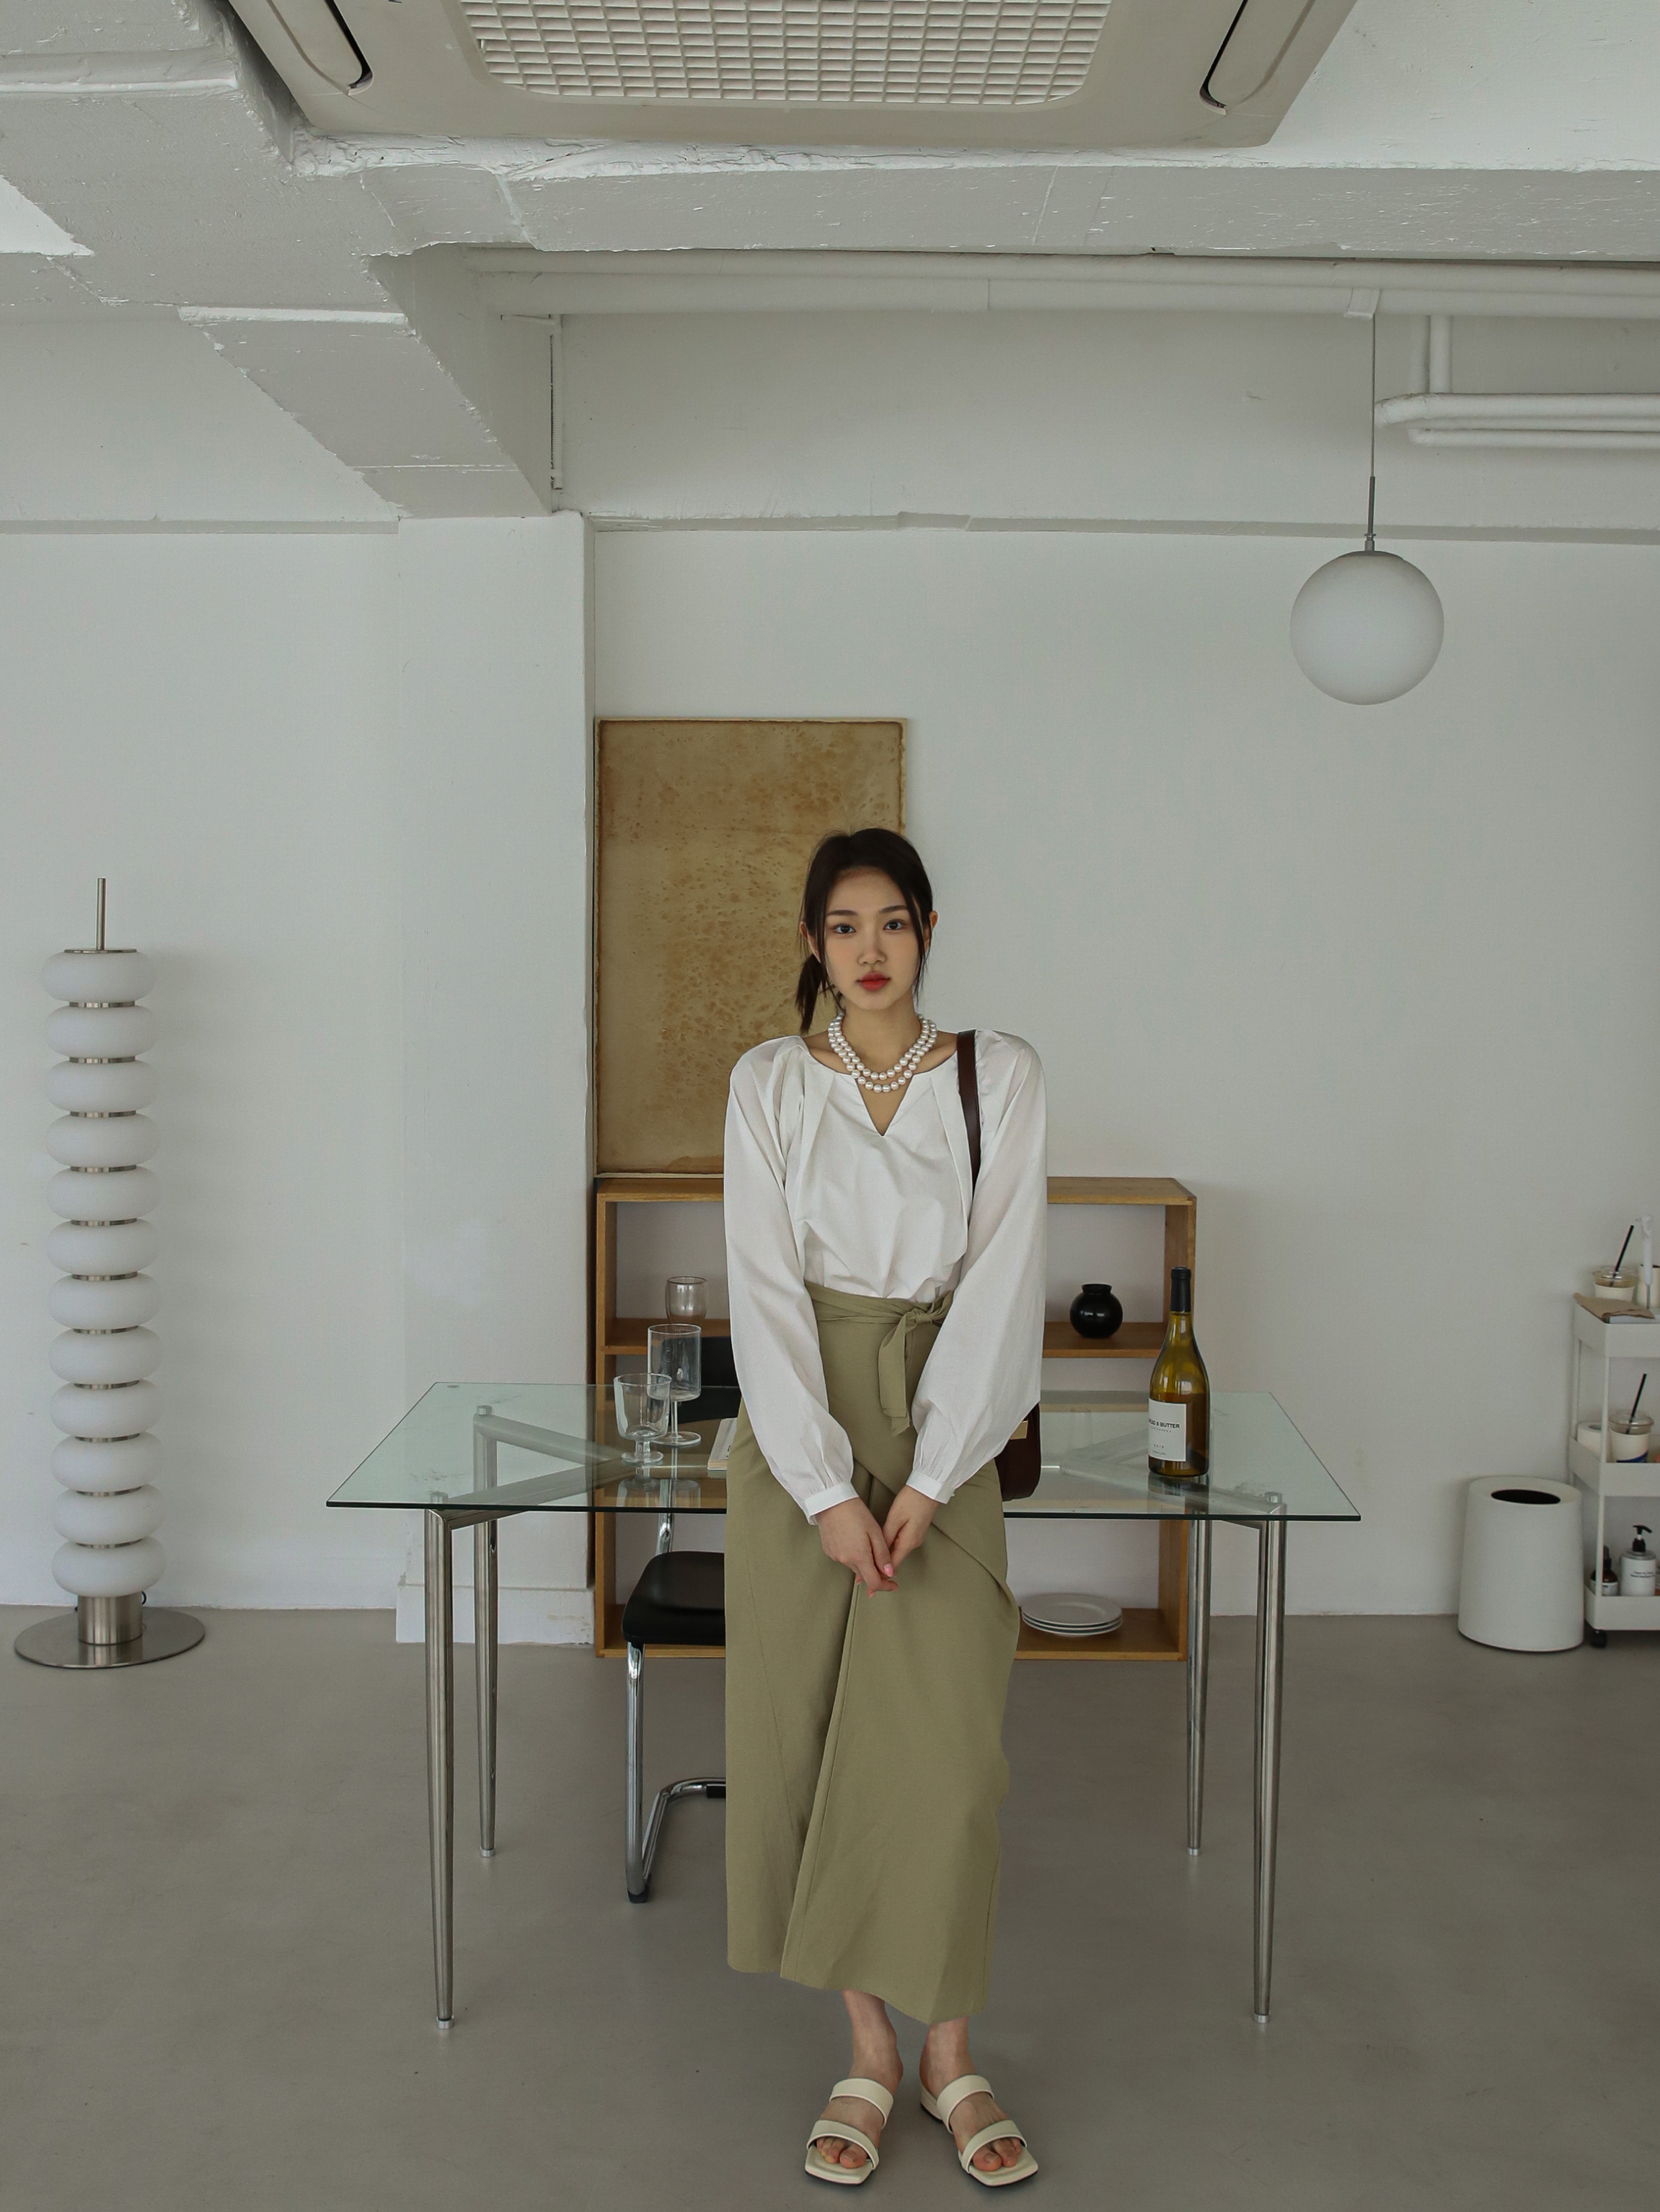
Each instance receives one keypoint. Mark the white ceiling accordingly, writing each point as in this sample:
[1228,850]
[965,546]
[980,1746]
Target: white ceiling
[151,135]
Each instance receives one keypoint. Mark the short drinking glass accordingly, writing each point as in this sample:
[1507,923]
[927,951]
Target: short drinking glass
[686,1297]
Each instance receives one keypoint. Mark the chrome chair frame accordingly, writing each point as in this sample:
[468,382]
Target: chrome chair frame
[644,1834]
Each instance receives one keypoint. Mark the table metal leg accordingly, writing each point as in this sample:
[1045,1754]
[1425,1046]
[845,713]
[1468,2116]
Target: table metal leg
[441,1757]
[485,1609]
[1270,1652]
[1198,1673]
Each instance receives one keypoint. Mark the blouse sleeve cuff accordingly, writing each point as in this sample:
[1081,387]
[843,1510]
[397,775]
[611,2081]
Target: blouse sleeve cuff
[821,1501]
[938,1487]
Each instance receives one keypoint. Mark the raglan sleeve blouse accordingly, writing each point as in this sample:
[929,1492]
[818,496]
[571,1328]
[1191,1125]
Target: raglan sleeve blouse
[984,1372]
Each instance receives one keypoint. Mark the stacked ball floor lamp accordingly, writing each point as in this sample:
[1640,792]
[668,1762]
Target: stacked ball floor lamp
[110,1509]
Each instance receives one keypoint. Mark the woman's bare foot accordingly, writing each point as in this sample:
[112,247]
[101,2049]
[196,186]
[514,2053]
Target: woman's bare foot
[876,2056]
[945,2058]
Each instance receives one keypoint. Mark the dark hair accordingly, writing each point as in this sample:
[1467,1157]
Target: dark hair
[838,855]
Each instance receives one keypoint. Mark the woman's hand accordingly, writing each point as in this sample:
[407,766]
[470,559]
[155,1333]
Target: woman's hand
[909,1520]
[852,1535]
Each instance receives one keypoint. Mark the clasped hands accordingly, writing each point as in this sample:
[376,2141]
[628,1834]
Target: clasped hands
[851,1534]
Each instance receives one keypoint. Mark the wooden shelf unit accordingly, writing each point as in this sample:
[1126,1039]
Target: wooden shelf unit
[1157,1632]
[612,1336]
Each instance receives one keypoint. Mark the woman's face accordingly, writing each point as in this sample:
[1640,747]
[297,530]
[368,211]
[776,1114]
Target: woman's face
[871,953]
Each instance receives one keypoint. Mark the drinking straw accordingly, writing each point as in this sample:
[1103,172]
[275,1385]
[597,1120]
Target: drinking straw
[1614,1271]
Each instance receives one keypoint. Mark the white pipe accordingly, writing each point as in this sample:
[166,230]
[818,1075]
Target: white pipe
[1565,422]
[519,282]
[1561,441]
[1440,360]
[1418,371]
[1543,410]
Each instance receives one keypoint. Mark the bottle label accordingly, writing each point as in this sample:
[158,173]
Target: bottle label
[1167,1430]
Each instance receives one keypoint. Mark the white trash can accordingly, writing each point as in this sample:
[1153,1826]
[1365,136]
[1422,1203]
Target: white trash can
[1521,1588]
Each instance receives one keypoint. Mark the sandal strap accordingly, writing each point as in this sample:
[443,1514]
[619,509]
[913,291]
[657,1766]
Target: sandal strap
[999,2131]
[861,2084]
[965,2085]
[844,2131]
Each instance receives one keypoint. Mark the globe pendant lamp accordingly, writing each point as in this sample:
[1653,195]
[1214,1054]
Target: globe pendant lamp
[110,1508]
[1368,626]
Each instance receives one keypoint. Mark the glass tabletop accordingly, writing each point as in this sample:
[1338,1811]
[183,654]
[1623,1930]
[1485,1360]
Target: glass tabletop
[554,1448]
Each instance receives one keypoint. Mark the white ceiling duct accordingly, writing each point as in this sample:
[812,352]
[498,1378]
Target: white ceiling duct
[912,74]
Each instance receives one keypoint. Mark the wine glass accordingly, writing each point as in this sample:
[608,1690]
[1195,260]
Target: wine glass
[642,1412]
[686,1297]
[674,1368]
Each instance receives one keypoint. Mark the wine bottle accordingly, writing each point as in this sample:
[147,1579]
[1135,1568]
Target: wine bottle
[1179,1396]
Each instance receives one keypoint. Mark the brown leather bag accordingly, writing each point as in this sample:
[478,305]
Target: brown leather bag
[1020,1463]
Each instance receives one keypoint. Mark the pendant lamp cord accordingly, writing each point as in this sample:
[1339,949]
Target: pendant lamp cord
[1372,450]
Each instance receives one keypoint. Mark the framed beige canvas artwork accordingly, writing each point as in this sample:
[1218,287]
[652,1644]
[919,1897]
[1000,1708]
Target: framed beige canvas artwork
[703,830]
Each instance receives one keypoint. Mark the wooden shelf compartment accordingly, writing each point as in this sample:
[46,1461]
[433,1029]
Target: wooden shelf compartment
[1157,1632]
[1143,1635]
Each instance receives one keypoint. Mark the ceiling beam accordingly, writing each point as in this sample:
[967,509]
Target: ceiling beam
[515,282]
[381,389]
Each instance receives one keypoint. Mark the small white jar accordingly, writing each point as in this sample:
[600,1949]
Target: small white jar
[1613,1289]
[1629,1441]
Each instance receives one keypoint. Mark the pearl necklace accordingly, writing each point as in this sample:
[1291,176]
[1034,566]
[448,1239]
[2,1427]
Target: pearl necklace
[893,1078]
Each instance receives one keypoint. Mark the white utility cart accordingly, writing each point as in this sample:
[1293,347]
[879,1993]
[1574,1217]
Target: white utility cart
[1606,1333]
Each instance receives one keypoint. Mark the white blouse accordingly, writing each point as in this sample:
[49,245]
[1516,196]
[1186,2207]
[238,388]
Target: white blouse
[815,1193]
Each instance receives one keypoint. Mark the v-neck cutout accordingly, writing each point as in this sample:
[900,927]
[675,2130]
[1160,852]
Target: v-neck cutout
[847,1076]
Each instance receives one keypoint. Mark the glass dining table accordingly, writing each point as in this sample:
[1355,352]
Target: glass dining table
[470,1455]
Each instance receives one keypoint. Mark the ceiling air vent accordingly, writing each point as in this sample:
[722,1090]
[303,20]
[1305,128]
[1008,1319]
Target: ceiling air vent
[911,74]
[912,53]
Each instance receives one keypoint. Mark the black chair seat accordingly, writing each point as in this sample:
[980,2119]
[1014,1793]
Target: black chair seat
[681,1598]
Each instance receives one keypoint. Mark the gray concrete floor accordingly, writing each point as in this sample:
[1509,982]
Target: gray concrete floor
[214,1921]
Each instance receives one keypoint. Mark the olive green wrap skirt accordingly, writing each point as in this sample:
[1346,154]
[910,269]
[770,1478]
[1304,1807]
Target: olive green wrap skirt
[864,1734]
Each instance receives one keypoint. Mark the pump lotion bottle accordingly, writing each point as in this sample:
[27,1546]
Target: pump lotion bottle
[1637,1566]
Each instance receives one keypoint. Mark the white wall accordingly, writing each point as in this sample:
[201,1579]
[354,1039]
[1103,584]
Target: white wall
[336,777]
[1343,971]
[338,786]
[494,758]
[212,724]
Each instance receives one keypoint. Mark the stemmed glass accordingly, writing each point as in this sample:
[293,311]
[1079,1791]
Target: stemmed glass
[674,1369]
[642,1412]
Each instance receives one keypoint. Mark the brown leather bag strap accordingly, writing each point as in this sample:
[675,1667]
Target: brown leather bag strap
[1020,1463]
[968,1089]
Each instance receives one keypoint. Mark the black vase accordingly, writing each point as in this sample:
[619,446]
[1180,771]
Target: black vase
[1096,1312]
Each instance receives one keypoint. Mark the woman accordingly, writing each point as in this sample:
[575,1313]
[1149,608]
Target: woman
[887,1322]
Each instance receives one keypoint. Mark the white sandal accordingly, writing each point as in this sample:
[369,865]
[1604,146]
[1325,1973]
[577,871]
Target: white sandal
[823,2169]
[941,2107]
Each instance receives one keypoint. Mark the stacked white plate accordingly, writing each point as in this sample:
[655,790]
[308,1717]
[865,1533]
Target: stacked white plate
[1071,1613]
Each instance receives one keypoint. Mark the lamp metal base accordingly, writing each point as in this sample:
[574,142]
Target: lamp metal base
[163,1634]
